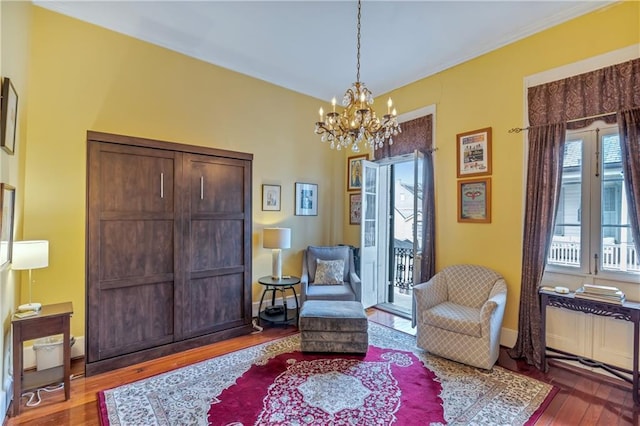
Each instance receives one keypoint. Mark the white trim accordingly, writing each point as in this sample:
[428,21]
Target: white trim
[508,337]
[581,67]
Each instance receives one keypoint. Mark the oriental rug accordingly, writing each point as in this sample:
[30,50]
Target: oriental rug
[275,384]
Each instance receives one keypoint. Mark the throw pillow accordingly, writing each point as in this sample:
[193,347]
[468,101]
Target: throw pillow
[329,272]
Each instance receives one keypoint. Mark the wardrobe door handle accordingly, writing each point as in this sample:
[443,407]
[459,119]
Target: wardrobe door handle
[201,187]
[161,185]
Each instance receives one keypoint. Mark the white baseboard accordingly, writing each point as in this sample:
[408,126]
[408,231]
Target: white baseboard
[508,337]
[6,393]
[291,303]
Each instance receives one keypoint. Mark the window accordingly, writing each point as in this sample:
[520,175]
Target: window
[592,232]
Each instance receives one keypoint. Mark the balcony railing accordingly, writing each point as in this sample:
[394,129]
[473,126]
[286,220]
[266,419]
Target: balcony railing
[403,269]
[615,257]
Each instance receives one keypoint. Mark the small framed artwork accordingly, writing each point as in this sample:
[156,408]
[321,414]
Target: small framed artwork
[354,172]
[355,209]
[7,203]
[271,198]
[474,200]
[306,199]
[8,116]
[473,151]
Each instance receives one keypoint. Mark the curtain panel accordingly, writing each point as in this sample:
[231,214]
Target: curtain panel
[417,135]
[629,124]
[544,173]
[609,91]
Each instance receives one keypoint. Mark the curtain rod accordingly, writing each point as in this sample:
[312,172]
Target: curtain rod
[521,129]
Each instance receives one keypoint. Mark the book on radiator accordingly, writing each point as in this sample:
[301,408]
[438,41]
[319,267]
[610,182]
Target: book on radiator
[600,289]
[616,297]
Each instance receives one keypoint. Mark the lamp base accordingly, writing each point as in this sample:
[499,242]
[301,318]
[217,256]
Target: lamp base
[34,306]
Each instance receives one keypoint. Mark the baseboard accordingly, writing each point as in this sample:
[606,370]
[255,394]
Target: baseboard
[508,337]
[6,393]
[291,303]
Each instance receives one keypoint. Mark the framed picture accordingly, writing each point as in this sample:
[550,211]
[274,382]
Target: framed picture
[355,209]
[8,116]
[354,172]
[271,197]
[306,199]
[474,200]
[473,151]
[7,201]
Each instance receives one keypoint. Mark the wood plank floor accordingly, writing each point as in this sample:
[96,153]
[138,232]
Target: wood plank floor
[583,399]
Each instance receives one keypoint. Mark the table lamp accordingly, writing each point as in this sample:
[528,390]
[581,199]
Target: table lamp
[276,239]
[30,255]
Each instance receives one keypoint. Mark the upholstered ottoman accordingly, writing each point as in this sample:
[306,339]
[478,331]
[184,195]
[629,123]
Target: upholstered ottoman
[333,326]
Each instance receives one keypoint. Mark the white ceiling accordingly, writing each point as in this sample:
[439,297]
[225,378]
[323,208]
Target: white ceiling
[310,46]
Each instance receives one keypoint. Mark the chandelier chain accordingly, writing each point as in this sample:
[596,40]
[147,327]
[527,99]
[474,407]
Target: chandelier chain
[358,44]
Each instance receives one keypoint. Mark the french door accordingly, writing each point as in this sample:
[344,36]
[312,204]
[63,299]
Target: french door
[391,230]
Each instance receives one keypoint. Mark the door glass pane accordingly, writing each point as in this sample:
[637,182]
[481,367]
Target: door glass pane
[370,194]
[617,245]
[565,245]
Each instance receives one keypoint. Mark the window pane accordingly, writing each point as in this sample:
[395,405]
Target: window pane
[565,245]
[618,248]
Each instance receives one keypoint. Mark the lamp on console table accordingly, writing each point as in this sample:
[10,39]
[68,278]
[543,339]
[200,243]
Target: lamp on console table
[276,239]
[30,255]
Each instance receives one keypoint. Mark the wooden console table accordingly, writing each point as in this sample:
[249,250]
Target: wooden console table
[628,311]
[50,320]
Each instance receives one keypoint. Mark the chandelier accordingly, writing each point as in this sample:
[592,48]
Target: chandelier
[357,123]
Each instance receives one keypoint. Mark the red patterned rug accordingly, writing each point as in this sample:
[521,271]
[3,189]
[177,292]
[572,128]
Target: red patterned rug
[382,388]
[275,384]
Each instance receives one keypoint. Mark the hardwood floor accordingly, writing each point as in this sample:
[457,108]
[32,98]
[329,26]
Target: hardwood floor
[583,399]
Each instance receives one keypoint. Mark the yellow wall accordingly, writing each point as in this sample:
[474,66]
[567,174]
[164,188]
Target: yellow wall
[84,77]
[15,24]
[488,92]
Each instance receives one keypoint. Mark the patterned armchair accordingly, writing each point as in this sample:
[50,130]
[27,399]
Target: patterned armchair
[328,273]
[459,314]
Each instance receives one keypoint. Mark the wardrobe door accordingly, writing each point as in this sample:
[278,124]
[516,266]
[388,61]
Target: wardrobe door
[130,255]
[217,234]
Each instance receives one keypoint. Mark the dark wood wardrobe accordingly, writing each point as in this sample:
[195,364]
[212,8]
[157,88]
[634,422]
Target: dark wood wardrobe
[168,244]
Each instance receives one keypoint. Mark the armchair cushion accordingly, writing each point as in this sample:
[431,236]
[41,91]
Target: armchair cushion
[329,272]
[456,318]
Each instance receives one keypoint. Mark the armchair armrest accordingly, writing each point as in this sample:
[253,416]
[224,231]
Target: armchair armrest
[304,277]
[493,308]
[356,285]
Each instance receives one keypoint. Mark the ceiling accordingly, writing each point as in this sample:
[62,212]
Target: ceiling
[310,46]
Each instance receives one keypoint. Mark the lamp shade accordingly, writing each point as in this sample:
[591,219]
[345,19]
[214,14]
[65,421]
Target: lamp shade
[30,255]
[277,238]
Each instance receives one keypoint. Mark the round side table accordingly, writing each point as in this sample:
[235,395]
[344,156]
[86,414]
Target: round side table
[278,314]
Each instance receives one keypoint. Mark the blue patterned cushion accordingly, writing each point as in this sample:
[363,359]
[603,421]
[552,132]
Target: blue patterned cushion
[329,272]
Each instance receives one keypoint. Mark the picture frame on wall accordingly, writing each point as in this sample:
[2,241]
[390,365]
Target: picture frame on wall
[306,199]
[7,210]
[474,200]
[473,152]
[271,197]
[354,172]
[355,209]
[8,116]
